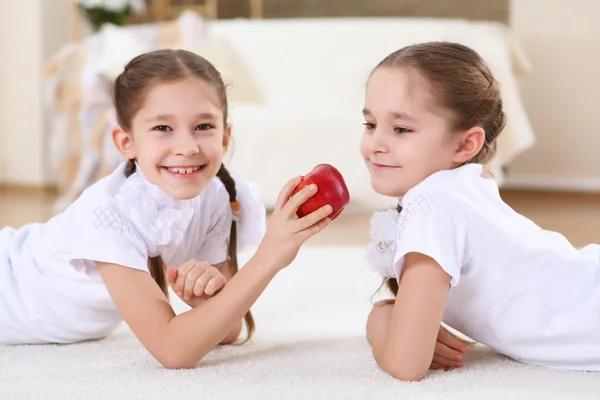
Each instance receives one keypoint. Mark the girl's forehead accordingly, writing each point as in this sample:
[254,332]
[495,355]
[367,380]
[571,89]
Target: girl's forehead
[181,89]
[181,96]
[399,87]
[404,90]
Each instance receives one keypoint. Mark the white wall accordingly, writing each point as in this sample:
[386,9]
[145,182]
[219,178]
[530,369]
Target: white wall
[26,40]
[56,29]
[22,147]
[3,92]
[562,96]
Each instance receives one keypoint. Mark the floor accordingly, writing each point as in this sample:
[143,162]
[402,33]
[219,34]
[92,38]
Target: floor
[575,215]
[309,344]
[309,341]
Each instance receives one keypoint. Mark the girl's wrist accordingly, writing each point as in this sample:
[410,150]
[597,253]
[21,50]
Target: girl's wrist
[265,263]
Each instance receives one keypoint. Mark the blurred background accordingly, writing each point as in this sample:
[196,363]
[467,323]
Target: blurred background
[297,70]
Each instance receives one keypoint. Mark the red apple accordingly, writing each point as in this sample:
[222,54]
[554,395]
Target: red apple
[331,189]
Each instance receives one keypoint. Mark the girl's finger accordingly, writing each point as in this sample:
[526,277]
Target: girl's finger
[203,280]
[442,350]
[180,279]
[215,284]
[446,362]
[171,276]
[313,230]
[190,282]
[313,218]
[319,226]
[292,205]
[435,365]
[179,283]
[450,340]
[286,193]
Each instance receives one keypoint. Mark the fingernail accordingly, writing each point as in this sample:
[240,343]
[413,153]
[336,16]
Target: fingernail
[312,187]
[179,293]
[187,298]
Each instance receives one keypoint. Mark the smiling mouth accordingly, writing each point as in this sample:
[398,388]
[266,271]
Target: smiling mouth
[383,166]
[185,170]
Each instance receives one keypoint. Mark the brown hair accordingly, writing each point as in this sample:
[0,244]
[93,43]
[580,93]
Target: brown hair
[129,90]
[461,82]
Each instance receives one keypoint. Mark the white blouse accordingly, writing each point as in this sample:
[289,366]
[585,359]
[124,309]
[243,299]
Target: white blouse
[51,288]
[524,291]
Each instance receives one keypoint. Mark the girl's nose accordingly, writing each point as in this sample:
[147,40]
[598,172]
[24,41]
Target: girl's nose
[378,142]
[186,145]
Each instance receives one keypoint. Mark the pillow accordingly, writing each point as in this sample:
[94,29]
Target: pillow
[119,46]
[241,85]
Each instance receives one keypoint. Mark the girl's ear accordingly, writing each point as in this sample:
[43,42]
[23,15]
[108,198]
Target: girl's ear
[123,142]
[471,142]
[226,138]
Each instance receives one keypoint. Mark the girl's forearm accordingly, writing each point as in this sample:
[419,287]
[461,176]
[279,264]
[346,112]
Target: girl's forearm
[233,334]
[196,332]
[409,345]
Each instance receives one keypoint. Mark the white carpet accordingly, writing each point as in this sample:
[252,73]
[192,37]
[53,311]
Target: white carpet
[309,344]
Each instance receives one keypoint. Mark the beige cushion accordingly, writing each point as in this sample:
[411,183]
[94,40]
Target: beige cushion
[241,85]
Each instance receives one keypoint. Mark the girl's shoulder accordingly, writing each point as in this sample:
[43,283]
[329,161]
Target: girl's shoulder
[433,220]
[102,190]
[448,183]
[102,226]
[131,207]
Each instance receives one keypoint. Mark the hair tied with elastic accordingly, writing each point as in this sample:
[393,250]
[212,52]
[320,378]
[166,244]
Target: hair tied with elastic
[235,206]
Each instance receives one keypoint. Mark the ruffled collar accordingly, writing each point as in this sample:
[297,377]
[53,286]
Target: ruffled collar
[159,219]
[380,252]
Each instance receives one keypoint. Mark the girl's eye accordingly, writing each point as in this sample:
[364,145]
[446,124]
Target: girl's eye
[161,128]
[204,127]
[370,126]
[400,129]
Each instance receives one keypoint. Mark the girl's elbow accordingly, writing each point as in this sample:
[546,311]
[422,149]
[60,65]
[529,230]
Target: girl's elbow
[233,335]
[171,357]
[403,370]
[406,374]
[174,361]
[169,363]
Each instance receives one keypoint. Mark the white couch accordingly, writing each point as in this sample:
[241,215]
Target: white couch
[312,74]
[298,89]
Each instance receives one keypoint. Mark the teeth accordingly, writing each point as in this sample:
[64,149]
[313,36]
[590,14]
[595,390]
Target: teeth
[184,170]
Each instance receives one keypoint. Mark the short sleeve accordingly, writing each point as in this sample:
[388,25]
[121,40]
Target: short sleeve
[433,224]
[102,234]
[214,247]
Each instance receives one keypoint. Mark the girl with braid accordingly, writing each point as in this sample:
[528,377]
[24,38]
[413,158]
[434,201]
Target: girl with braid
[171,215]
[454,251]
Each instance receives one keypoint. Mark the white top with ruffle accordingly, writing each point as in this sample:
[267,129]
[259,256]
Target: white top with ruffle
[52,291]
[524,291]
